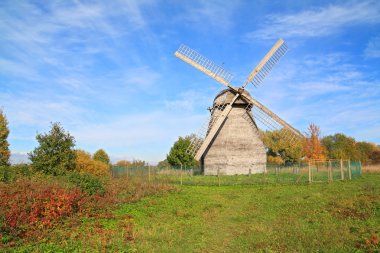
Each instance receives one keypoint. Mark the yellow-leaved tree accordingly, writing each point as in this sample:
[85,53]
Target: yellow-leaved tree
[84,163]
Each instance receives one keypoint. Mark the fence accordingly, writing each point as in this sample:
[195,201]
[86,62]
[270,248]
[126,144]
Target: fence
[306,172]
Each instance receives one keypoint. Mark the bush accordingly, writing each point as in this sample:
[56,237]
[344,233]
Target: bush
[9,174]
[28,206]
[87,183]
[84,163]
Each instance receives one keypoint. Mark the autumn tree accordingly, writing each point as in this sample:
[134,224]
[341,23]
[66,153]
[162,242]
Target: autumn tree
[136,163]
[4,145]
[85,164]
[55,154]
[280,149]
[102,156]
[340,146]
[178,156]
[123,163]
[365,149]
[375,156]
[312,146]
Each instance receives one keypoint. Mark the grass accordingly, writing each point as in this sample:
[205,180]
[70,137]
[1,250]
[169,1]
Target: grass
[343,216]
[335,217]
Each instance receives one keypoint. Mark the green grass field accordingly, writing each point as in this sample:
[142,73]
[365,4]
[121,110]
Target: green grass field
[321,217]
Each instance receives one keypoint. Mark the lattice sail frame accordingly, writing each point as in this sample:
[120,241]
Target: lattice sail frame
[262,117]
[197,142]
[257,76]
[203,64]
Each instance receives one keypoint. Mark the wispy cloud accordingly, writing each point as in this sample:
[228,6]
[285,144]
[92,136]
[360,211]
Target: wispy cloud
[373,48]
[215,13]
[189,100]
[317,22]
[326,90]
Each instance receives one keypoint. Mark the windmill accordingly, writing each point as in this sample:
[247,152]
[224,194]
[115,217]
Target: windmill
[230,143]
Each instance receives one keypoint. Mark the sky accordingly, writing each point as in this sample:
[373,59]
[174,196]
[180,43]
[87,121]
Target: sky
[106,70]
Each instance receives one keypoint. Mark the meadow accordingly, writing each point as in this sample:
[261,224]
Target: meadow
[342,216]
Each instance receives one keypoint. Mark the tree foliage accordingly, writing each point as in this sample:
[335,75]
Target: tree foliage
[123,163]
[84,163]
[365,151]
[55,154]
[163,164]
[312,147]
[178,156]
[375,156]
[102,156]
[339,146]
[4,145]
[279,149]
[132,164]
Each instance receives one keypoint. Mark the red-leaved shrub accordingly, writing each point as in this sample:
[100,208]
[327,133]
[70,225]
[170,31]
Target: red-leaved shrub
[28,206]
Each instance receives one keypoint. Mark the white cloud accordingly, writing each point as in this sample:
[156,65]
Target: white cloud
[318,22]
[214,13]
[189,100]
[373,48]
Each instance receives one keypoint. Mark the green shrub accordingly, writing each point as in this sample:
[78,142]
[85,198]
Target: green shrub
[9,174]
[87,183]
[5,174]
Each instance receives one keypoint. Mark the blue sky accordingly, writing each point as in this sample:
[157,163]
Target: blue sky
[106,69]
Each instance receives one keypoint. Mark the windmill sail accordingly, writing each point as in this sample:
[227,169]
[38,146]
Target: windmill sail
[203,64]
[267,63]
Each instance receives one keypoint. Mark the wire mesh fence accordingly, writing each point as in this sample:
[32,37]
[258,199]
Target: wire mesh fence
[306,172]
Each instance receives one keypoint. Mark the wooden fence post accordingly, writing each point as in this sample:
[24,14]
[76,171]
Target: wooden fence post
[341,170]
[149,173]
[330,171]
[218,177]
[181,174]
[250,172]
[349,169]
[310,177]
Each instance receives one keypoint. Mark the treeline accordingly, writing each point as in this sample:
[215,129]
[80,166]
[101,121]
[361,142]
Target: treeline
[280,150]
[313,146]
[55,155]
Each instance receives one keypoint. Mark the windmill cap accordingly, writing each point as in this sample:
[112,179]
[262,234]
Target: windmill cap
[225,96]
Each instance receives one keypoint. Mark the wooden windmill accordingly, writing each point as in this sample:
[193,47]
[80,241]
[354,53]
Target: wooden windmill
[230,141]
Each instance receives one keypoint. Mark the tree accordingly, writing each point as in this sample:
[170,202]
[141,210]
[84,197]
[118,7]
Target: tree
[339,146]
[4,145]
[163,164]
[55,154]
[279,148]
[84,163]
[138,163]
[178,156]
[102,156]
[312,146]
[133,164]
[375,156]
[365,149]
[123,163]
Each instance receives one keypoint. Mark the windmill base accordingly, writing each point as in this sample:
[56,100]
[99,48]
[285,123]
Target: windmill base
[224,169]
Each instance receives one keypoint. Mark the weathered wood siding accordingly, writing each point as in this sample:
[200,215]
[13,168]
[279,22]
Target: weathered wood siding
[237,147]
